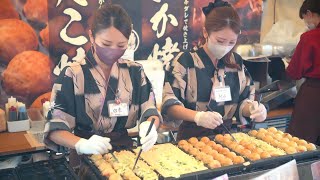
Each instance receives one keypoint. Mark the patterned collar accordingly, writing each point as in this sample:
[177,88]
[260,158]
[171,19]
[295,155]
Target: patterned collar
[90,58]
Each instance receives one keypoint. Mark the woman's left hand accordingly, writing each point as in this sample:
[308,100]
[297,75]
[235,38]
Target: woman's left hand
[149,140]
[258,112]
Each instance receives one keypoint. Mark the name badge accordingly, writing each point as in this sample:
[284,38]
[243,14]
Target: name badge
[222,94]
[118,110]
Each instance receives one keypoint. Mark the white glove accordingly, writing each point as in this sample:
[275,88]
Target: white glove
[208,119]
[147,141]
[94,145]
[258,112]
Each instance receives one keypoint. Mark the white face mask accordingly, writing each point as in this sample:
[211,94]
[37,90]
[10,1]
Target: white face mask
[219,51]
[310,26]
[308,23]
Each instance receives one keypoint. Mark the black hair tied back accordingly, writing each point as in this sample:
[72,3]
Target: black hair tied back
[217,3]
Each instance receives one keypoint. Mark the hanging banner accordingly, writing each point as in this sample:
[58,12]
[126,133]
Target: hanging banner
[40,38]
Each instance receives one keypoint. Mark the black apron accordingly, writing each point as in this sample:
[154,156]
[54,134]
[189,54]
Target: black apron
[305,122]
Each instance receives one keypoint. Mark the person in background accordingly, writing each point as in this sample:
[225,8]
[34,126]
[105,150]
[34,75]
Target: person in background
[305,63]
[210,86]
[95,102]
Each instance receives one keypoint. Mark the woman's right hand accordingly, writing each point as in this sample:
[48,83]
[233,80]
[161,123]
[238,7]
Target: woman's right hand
[208,119]
[94,145]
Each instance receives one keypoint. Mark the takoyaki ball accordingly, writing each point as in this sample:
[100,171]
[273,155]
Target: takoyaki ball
[193,141]
[205,140]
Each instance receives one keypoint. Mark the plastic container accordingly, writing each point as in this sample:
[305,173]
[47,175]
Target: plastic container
[17,126]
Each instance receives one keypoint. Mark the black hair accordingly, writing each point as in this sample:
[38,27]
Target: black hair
[110,15]
[217,3]
[311,5]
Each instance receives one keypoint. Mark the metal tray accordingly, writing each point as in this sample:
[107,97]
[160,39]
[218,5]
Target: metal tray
[47,170]
[212,173]
[237,169]
[8,174]
[97,174]
[93,168]
[274,162]
[209,173]
[275,98]
[307,156]
[259,165]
